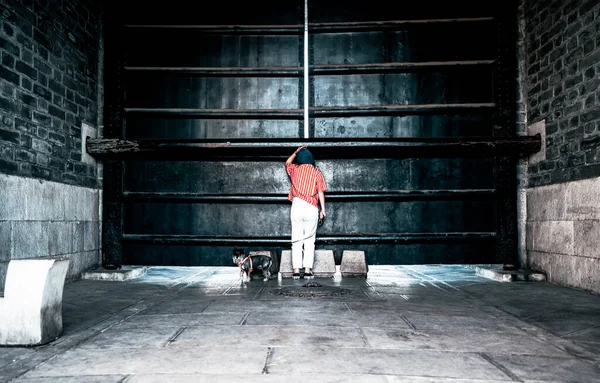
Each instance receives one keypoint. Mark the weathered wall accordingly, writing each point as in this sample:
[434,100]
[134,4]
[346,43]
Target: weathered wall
[560,64]
[49,100]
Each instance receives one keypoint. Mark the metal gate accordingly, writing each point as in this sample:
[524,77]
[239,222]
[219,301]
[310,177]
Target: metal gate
[410,116]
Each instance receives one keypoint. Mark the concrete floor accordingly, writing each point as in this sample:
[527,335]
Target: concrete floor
[401,324]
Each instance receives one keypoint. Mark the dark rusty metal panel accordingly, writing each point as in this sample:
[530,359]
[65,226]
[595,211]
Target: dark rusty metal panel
[505,168]
[225,178]
[468,251]
[112,206]
[212,219]
[282,198]
[345,108]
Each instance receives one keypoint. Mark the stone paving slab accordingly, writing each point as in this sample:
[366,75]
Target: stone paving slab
[76,379]
[507,340]
[268,306]
[271,336]
[327,319]
[543,368]
[206,361]
[181,320]
[384,361]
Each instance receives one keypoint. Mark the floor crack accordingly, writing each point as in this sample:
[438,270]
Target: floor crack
[268,359]
[501,367]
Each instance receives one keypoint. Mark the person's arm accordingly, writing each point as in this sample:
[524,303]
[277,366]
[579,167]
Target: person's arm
[291,158]
[322,201]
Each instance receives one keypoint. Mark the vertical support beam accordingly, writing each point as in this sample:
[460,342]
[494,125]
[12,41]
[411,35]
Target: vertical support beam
[505,168]
[112,233]
[306,74]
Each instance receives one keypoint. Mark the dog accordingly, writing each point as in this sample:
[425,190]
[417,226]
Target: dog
[255,260]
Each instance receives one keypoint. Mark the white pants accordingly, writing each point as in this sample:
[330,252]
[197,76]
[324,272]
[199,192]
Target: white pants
[305,218]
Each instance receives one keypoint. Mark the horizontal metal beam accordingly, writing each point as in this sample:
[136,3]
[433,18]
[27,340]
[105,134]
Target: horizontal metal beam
[245,114]
[369,26]
[291,29]
[315,112]
[328,27]
[395,67]
[316,70]
[391,195]
[398,110]
[221,71]
[369,239]
[273,149]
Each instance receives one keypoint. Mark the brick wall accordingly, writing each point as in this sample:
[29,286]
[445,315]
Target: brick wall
[50,197]
[560,93]
[562,65]
[48,87]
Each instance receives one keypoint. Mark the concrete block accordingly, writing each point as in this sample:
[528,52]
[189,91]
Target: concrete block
[354,264]
[587,238]
[30,239]
[501,275]
[78,236]
[81,262]
[533,129]
[584,201]
[548,203]
[91,132]
[60,238]
[5,241]
[573,271]
[3,268]
[124,274]
[530,235]
[90,235]
[554,236]
[11,202]
[31,309]
[324,266]
[285,264]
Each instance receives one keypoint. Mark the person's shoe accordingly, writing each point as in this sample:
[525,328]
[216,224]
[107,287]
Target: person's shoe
[308,275]
[296,275]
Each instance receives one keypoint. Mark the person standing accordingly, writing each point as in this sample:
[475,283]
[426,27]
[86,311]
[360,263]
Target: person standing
[307,195]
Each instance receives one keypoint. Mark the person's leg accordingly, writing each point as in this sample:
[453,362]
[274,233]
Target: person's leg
[297,235]
[311,219]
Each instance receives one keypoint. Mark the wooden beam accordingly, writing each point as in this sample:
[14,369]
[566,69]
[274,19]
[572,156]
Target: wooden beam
[391,195]
[397,238]
[271,149]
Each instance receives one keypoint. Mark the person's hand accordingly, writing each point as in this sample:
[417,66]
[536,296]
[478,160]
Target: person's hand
[300,148]
[322,214]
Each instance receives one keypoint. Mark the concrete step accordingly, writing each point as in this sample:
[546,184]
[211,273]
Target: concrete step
[499,274]
[124,274]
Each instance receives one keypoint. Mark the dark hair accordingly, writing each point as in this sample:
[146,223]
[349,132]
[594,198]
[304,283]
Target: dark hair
[305,157]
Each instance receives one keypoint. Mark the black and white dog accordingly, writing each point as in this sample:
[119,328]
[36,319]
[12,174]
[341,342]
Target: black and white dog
[255,260]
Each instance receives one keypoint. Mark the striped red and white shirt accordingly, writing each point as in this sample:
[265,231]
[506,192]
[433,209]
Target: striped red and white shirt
[307,181]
